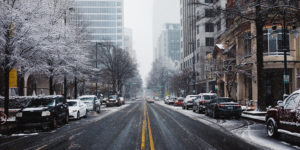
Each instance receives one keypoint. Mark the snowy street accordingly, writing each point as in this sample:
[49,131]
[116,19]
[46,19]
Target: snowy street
[141,125]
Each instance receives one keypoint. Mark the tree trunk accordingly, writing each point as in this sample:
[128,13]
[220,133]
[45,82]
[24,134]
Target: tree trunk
[75,88]
[6,90]
[261,104]
[20,84]
[51,85]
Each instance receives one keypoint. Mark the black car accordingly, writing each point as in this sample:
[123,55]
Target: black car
[44,112]
[202,100]
[113,100]
[223,107]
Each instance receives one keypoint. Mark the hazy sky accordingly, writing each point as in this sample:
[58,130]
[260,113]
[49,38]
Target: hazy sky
[138,17]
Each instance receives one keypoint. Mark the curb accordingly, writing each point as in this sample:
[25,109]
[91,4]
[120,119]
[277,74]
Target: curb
[256,120]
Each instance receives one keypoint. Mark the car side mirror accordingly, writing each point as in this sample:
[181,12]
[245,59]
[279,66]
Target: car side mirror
[280,103]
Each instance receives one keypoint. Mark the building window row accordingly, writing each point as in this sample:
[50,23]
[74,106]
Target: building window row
[104,30]
[273,43]
[104,24]
[209,41]
[98,3]
[101,17]
[100,10]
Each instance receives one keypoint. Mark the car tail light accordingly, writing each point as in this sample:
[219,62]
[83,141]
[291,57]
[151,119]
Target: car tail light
[238,106]
[220,105]
[203,102]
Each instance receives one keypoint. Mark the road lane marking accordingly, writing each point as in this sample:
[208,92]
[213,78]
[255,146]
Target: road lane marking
[150,132]
[143,129]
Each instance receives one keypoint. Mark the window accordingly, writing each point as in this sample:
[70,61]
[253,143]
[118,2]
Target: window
[247,44]
[209,13]
[219,25]
[208,1]
[273,42]
[210,41]
[209,27]
[292,102]
[198,29]
[198,43]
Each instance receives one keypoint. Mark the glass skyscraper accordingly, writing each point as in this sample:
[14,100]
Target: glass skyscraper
[102,18]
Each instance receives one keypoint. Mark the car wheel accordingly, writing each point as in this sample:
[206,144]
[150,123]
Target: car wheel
[182,106]
[98,110]
[272,128]
[85,115]
[238,117]
[66,121]
[206,112]
[53,123]
[78,115]
[214,114]
[194,109]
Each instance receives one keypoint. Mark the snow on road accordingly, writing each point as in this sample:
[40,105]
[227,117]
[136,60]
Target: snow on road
[249,130]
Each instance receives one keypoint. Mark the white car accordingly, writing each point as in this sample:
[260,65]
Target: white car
[91,101]
[77,109]
[189,101]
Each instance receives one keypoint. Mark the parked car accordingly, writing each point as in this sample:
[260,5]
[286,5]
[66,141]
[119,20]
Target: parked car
[92,103]
[223,106]
[166,100]
[285,116]
[77,109]
[179,101]
[188,101]
[113,100]
[171,100]
[122,100]
[44,112]
[201,101]
[150,100]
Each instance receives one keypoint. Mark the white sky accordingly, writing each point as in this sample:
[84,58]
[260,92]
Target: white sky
[138,17]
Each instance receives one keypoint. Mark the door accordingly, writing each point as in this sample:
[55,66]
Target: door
[288,114]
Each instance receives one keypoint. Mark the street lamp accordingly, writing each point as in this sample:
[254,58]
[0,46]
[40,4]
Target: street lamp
[285,49]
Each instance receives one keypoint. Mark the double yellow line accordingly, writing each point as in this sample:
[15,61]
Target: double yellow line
[144,130]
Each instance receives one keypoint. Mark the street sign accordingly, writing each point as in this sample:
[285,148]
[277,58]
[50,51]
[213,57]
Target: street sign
[13,78]
[286,78]
[216,87]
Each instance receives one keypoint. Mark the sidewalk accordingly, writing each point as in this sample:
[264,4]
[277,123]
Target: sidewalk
[257,116]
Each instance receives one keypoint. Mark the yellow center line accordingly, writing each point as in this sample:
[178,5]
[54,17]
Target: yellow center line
[143,129]
[150,132]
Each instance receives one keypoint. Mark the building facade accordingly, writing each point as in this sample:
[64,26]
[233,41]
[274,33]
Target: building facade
[168,44]
[103,19]
[201,23]
[164,11]
[236,59]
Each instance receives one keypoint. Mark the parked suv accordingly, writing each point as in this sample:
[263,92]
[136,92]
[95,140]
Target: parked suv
[113,100]
[188,101]
[284,116]
[44,112]
[200,103]
[92,103]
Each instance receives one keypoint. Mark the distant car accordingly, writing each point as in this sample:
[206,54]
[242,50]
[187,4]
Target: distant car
[44,112]
[113,100]
[223,106]
[171,100]
[179,101]
[92,103]
[188,101]
[122,100]
[201,101]
[150,100]
[285,116]
[77,109]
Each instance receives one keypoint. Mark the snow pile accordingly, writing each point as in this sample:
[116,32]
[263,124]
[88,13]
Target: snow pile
[259,118]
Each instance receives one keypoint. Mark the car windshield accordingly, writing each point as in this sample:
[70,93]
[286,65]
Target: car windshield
[87,98]
[209,97]
[72,104]
[223,100]
[113,97]
[41,103]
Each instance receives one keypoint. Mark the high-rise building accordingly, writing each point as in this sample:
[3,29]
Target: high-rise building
[201,23]
[168,44]
[103,19]
[165,11]
[128,42]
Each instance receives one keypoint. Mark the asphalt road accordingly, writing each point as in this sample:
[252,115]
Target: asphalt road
[138,126]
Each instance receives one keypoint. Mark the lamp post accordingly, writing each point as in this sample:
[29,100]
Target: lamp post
[285,49]
[96,67]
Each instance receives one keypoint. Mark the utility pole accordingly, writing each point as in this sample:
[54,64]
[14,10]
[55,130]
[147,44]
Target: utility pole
[96,67]
[65,76]
[285,50]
